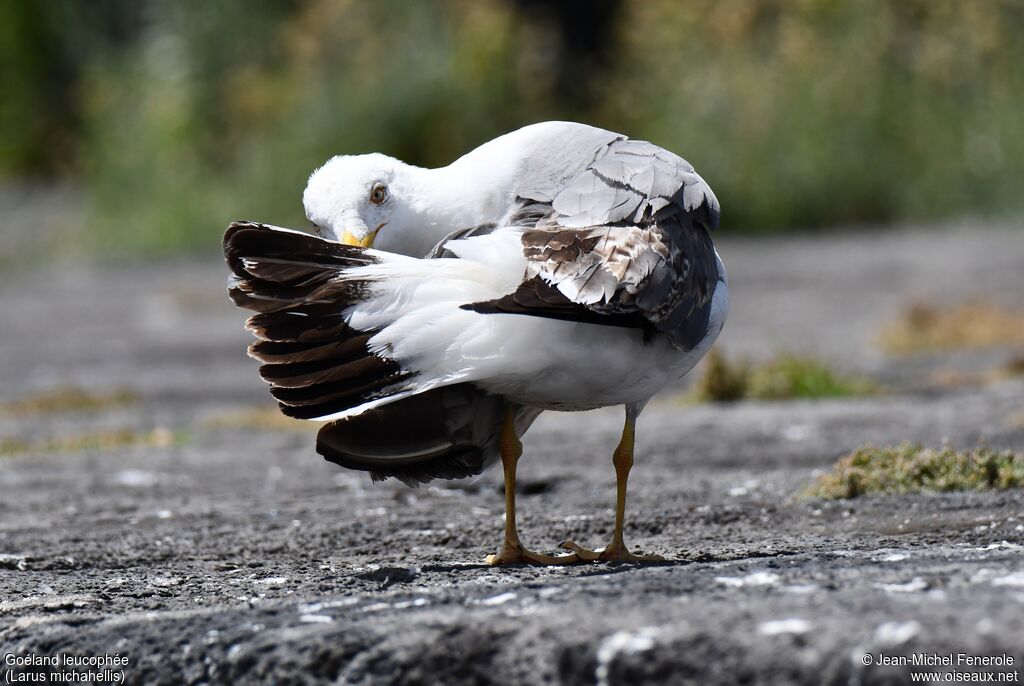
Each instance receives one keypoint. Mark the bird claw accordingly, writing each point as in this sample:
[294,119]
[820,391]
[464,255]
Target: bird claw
[611,553]
[584,554]
[517,554]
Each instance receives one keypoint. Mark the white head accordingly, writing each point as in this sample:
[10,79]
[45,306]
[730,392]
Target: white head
[376,200]
[353,198]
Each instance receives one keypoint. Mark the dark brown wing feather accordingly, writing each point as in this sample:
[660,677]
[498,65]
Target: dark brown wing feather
[537,298]
[317,365]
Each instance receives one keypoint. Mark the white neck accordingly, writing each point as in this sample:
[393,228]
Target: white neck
[471,191]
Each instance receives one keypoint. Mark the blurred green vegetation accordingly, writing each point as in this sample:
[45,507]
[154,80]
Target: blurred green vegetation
[911,468]
[786,377]
[179,117]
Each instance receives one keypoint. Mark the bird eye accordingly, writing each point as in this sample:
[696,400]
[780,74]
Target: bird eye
[378,194]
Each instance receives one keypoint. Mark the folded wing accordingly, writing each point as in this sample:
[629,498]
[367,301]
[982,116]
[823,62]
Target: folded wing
[627,242]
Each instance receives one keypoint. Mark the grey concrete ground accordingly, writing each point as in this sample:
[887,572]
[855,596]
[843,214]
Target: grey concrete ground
[222,549]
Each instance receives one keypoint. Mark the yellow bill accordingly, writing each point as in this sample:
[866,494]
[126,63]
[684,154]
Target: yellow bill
[351,239]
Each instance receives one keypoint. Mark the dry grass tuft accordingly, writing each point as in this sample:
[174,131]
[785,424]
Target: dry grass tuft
[955,378]
[260,419]
[910,468]
[723,381]
[785,378]
[925,327]
[99,441]
[1015,365]
[70,399]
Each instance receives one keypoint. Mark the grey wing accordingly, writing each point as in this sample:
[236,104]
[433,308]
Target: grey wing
[628,237]
[630,184]
[558,157]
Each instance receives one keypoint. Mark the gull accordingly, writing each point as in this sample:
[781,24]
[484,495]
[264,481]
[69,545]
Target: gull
[439,311]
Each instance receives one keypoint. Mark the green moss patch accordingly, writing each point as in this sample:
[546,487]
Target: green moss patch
[911,468]
[787,377]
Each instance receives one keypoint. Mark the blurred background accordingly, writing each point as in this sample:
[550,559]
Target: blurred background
[862,414]
[135,127]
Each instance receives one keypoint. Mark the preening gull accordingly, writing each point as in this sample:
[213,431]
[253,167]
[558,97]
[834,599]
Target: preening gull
[440,311]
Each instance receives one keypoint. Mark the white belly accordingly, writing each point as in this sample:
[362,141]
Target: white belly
[570,366]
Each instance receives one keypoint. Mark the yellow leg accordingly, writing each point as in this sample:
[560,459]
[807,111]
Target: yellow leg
[512,550]
[617,551]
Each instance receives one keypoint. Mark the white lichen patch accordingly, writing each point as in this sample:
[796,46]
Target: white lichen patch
[1016,579]
[896,633]
[499,599]
[915,585]
[315,619]
[759,578]
[619,643]
[801,589]
[790,625]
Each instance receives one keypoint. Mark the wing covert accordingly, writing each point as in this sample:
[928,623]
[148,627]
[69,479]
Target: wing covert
[626,242]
